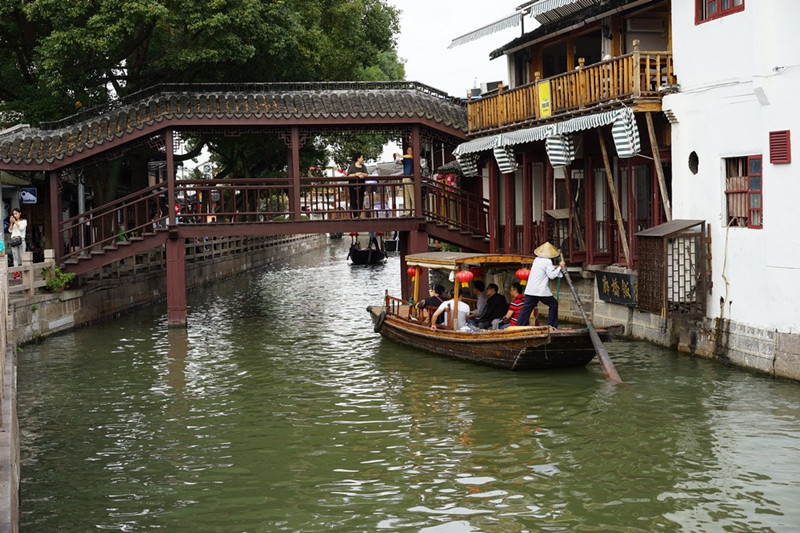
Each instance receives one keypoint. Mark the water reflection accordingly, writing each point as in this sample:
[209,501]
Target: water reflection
[277,410]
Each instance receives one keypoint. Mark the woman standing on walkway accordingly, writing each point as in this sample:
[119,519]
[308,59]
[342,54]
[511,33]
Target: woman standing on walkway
[18,227]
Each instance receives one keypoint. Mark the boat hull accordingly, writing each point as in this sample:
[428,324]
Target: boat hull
[366,256]
[519,349]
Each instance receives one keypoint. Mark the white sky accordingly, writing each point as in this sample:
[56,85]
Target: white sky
[428,26]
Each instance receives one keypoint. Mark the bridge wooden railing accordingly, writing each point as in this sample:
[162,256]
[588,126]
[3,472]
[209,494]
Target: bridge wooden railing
[630,77]
[236,201]
[454,207]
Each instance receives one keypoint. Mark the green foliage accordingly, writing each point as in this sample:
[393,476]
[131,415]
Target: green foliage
[59,57]
[56,280]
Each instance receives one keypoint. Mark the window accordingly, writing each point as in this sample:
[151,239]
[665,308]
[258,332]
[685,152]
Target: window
[713,9]
[743,191]
[780,147]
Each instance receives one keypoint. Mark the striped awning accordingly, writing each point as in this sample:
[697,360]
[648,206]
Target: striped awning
[468,164]
[559,143]
[506,162]
[480,144]
[551,10]
[507,22]
[560,150]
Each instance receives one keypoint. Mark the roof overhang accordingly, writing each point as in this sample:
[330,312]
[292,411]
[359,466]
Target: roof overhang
[451,260]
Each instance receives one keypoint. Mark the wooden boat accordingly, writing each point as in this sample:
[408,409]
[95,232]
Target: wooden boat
[373,254]
[514,348]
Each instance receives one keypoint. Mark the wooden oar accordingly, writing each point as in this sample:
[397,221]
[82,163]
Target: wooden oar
[599,349]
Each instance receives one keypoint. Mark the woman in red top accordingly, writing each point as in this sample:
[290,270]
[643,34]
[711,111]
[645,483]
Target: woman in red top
[517,299]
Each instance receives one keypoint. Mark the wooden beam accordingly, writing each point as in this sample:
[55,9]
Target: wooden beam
[614,200]
[662,184]
[294,171]
[57,236]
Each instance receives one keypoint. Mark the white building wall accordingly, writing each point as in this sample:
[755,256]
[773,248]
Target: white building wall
[739,79]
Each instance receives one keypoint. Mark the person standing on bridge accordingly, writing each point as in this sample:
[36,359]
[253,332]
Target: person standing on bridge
[408,181]
[18,227]
[357,172]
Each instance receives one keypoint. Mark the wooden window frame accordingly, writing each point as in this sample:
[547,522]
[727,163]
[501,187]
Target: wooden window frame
[751,188]
[701,10]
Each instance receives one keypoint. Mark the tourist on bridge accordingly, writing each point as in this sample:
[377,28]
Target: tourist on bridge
[357,172]
[18,226]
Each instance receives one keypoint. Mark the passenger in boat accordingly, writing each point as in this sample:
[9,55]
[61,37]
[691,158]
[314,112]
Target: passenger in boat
[538,288]
[496,307]
[357,172]
[479,292]
[434,299]
[511,317]
[461,314]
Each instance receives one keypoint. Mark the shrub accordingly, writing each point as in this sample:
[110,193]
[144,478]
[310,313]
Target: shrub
[57,281]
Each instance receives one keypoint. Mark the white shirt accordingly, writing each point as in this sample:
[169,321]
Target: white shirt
[19,228]
[463,311]
[542,271]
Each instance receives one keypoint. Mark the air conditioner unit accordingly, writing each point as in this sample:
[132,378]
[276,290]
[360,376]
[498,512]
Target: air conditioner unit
[647,25]
[490,86]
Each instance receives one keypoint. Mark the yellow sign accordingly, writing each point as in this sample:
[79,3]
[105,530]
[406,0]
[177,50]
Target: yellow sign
[544,99]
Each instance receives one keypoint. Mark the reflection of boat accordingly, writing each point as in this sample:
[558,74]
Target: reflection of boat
[514,348]
[336,236]
[373,254]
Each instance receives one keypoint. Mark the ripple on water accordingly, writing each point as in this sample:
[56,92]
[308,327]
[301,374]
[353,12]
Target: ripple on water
[277,410]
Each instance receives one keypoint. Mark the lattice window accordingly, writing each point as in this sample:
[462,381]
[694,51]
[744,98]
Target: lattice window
[743,192]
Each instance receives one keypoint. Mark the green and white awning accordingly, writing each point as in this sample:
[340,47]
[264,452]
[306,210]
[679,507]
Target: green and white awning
[559,143]
[552,10]
[510,21]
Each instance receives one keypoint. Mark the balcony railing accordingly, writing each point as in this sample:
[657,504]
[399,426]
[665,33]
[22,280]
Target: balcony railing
[633,77]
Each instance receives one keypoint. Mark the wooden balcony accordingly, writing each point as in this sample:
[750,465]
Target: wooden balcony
[633,79]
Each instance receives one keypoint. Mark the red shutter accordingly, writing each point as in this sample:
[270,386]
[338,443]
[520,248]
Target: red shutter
[780,147]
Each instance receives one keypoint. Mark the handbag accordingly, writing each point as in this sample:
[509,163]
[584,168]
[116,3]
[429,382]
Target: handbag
[15,241]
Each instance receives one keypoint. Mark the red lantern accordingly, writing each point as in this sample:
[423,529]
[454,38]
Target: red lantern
[476,271]
[464,276]
[354,234]
[412,271]
[523,274]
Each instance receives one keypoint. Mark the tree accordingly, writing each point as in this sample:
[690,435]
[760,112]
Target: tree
[57,56]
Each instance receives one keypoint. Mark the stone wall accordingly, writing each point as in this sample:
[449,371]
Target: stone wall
[9,427]
[772,352]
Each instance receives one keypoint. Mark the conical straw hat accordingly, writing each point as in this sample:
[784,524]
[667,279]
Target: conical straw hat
[547,250]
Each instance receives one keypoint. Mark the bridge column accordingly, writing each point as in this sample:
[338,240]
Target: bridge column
[412,242]
[57,237]
[176,250]
[416,146]
[176,281]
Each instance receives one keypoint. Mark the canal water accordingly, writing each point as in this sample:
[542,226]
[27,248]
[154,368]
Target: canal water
[279,409]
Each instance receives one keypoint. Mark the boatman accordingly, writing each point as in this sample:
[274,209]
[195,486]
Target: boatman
[538,288]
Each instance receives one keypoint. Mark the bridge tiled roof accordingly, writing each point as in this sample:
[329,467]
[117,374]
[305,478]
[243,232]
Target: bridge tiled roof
[327,102]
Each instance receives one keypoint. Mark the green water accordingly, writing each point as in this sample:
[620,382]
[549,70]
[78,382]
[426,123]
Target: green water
[276,410]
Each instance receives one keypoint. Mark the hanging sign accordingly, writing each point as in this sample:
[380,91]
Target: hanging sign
[543,88]
[617,287]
